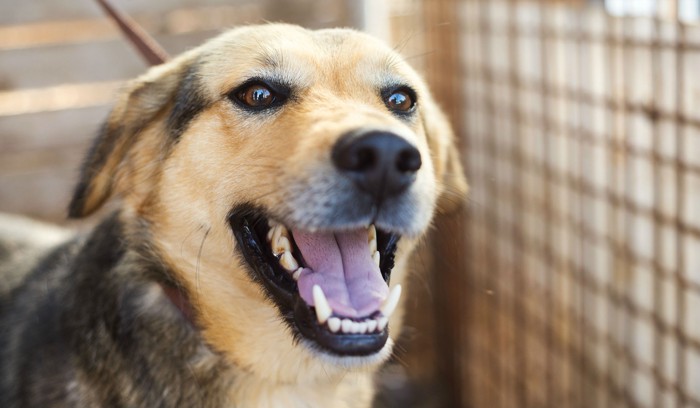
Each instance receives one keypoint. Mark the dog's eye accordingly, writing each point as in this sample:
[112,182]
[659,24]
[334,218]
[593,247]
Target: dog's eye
[401,100]
[256,96]
[259,95]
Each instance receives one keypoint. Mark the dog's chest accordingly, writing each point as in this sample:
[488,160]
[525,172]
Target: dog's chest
[351,391]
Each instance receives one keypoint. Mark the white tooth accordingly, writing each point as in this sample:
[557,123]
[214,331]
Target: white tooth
[346,325]
[271,232]
[363,327]
[372,232]
[372,239]
[356,327]
[381,323]
[279,231]
[288,262]
[271,223]
[297,273]
[323,309]
[391,301]
[376,258]
[282,245]
[334,324]
[371,325]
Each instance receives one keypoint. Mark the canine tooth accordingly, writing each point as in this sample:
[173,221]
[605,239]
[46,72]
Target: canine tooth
[279,231]
[346,325]
[282,245]
[334,324]
[271,223]
[372,239]
[376,258]
[371,325]
[323,309]
[297,273]
[288,262]
[372,232]
[389,305]
[381,323]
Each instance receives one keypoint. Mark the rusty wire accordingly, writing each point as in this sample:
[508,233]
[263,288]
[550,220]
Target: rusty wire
[582,249]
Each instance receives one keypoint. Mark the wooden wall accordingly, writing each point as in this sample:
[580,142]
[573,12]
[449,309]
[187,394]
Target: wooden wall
[62,61]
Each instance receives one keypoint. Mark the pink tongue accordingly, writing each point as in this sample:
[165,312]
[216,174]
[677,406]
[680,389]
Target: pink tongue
[340,263]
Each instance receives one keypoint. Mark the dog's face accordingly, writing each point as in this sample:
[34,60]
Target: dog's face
[284,175]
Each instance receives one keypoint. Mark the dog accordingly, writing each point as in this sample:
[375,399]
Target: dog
[265,190]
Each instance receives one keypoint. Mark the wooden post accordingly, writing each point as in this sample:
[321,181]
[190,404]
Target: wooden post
[448,242]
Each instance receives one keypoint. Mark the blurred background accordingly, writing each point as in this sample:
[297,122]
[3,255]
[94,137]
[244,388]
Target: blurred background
[572,278]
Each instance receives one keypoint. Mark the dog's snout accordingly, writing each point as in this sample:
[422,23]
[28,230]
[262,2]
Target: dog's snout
[380,163]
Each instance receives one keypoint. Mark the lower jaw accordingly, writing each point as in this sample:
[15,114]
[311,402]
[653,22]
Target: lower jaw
[338,344]
[349,362]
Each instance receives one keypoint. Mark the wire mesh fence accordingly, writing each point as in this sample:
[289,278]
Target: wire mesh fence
[581,127]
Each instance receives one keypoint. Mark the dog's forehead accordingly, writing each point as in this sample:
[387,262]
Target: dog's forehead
[300,57]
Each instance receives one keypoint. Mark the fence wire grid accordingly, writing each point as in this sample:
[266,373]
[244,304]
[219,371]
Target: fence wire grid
[579,279]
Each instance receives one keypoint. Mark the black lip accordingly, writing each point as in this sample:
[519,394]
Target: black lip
[249,227]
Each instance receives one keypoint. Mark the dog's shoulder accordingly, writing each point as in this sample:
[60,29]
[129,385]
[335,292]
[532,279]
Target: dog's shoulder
[88,320]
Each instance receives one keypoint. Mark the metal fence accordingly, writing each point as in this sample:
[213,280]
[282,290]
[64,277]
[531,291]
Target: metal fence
[581,129]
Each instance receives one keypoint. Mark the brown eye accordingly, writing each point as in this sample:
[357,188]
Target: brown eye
[401,101]
[256,96]
[259,95]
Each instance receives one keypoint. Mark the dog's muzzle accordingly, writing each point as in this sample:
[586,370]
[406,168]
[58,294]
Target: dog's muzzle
[331,282]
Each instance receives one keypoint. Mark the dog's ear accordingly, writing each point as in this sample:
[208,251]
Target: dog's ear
[452,183]
[149,115]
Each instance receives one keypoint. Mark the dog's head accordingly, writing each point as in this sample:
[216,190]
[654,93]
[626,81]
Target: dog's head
[284,175]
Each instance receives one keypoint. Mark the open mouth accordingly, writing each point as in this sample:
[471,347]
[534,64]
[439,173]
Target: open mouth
[330,286]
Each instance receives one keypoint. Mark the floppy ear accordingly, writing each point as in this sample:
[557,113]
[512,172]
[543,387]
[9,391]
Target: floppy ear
[452,183]
[149,115]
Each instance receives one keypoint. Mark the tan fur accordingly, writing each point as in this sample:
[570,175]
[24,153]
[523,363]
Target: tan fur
[223,159]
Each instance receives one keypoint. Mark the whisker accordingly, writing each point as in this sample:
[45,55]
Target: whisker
[199,260]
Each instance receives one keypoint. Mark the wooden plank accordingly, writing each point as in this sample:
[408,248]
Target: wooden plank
[14,12]
[179,21]
[80,63]
[450,263]
[31,161]
[49,130]
[314,13]
[57,98]
[43,193]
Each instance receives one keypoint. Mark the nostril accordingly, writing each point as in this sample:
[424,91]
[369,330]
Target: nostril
[355,157]
[365,159]
[408,160]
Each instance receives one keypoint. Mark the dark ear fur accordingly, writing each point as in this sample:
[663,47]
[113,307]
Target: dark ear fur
[453,185]
[145,99]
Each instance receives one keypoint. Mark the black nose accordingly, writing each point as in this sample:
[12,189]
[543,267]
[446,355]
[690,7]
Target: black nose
[380,163]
